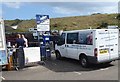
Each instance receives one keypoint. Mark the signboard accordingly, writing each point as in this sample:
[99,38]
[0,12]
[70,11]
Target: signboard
[3,54]
[1,37]
[3,57]
[32,54]
[43,27]
[35,33]
[32,29]
[43,22]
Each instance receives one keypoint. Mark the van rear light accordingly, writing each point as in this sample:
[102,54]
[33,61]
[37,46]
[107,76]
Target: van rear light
[95,52]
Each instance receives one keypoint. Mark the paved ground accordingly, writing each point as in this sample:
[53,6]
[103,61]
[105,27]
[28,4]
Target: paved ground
[65,69]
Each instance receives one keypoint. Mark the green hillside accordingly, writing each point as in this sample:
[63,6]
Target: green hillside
[65,23]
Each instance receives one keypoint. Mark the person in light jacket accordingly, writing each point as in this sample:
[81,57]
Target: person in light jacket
[26,41]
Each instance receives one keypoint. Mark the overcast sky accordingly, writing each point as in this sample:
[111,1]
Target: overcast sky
[28,10]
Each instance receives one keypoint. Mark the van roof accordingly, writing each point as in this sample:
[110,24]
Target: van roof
[79,30]
[84,30]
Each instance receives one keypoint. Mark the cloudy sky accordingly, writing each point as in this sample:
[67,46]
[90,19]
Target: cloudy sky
[28,10]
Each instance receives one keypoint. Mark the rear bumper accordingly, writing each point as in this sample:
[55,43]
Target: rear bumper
[94,60]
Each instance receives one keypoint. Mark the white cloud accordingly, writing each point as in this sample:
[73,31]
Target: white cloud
[60,0]
[112,9]
[1,11]
[85,8]
[63,10]
[13,4]
[0,14]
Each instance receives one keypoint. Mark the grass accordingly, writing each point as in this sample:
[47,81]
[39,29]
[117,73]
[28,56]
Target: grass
[68,23]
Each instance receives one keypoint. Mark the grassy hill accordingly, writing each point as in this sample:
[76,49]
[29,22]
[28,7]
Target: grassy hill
[65,23]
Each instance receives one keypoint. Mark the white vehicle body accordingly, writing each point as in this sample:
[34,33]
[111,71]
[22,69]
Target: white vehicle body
[119,44]
[3,50]
[98,45]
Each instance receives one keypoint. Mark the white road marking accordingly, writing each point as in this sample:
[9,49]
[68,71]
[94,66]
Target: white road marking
[104,69]
[54,63]
[33,67]
[78,73]
[2,78]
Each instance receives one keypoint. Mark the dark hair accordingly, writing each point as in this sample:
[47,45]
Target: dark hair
[18,36]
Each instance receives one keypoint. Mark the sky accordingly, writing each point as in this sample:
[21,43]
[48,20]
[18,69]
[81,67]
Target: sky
[28,10]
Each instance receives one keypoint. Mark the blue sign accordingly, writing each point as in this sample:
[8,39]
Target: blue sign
[42,18]
[3,57]
[43,22]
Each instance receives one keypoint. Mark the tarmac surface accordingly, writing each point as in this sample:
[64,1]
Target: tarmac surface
[65,69]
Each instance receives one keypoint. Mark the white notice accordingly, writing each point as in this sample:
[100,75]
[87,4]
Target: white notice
[32,54]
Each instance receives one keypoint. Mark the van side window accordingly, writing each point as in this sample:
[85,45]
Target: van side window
[63,38]
[72,38]
[86,38]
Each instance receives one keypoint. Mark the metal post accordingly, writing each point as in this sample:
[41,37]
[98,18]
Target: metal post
[38,33]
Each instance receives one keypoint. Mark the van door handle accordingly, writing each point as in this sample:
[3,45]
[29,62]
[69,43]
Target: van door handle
[66,45]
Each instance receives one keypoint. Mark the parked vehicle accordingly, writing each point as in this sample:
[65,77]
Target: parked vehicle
[88,46]
[119,45]
[3,52]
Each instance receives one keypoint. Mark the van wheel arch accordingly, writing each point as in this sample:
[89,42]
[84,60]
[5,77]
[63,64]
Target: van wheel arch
[83,60]
[58,55]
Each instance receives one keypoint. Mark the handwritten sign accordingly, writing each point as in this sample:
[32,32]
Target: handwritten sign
[32,54]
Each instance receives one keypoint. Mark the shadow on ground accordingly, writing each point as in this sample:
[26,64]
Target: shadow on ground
[70,65]
[66,65]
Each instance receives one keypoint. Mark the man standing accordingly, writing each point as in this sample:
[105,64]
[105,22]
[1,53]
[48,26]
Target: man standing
[19,52]
[19,41]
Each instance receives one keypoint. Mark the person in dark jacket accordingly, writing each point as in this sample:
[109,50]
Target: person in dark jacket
[19,41]
[19,52]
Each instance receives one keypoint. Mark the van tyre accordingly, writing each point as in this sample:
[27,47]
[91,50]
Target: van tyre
[58,56]
[107,63]
[84,61]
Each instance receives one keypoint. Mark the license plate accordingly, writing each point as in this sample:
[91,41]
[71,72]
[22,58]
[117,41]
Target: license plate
[103,51]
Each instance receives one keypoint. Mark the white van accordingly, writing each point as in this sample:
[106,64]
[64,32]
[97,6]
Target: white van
[119,45]
[88,46]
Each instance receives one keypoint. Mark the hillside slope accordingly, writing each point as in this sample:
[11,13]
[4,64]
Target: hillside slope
[66,23]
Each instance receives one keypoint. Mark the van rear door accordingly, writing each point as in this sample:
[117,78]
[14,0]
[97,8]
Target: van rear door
[103,40]
[107,42]
[113,43]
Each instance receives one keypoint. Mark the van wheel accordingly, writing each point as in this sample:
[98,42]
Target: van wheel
[58,56]
[84,61]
